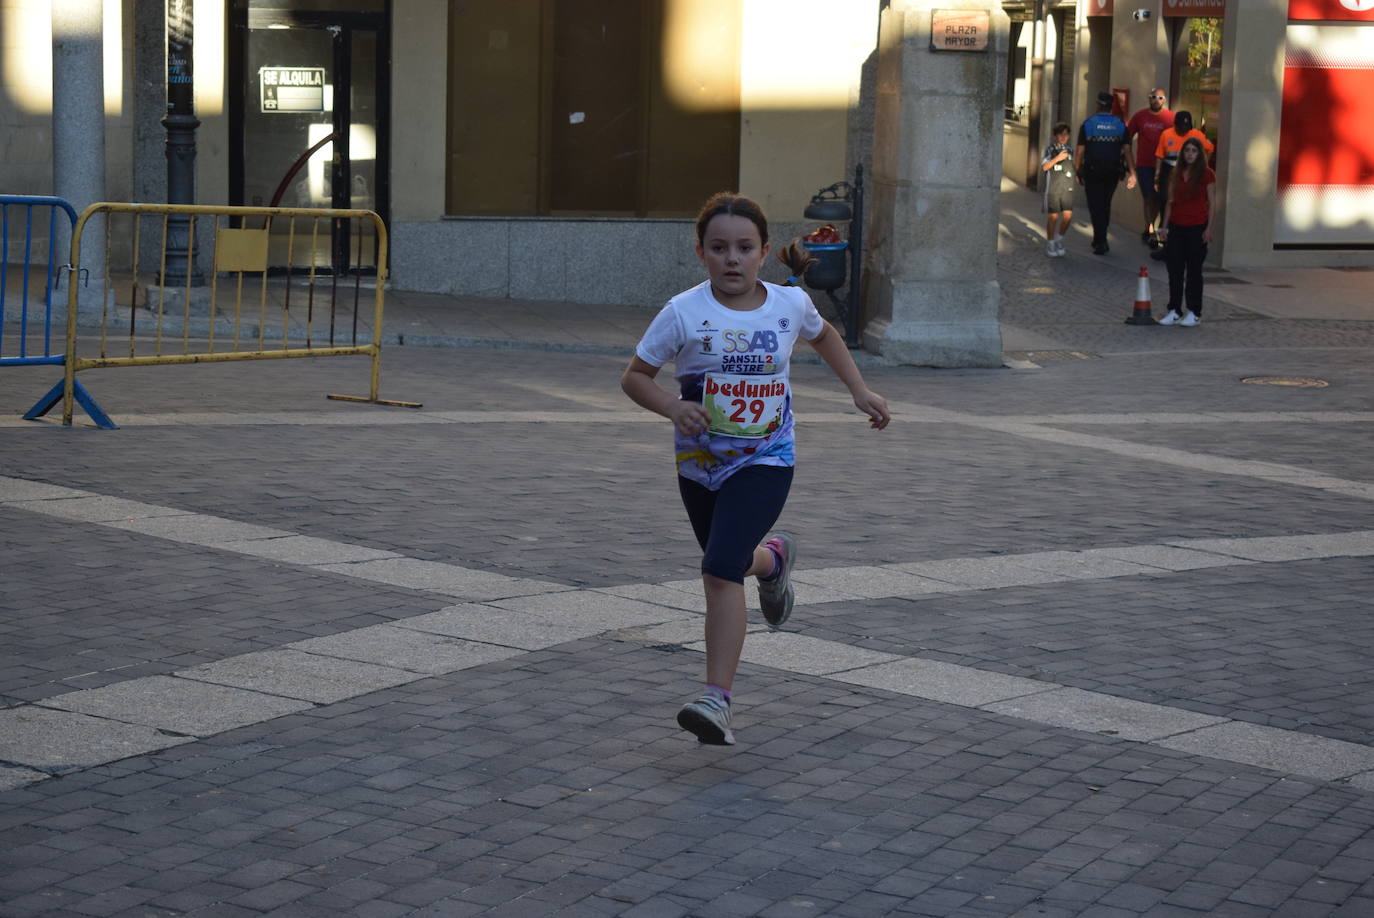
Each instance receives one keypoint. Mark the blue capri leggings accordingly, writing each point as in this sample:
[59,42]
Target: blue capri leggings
[731,522]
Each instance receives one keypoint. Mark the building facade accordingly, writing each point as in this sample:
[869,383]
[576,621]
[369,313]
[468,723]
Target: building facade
[558,149]
[1285,88]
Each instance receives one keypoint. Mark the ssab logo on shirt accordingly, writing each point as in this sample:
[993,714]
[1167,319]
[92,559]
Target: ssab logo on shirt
[743,342]
[749,352]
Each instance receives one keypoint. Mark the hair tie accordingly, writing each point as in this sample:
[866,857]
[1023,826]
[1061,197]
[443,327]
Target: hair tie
[794,280]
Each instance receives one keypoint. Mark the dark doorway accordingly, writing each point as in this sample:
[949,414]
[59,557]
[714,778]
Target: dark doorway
[311,79]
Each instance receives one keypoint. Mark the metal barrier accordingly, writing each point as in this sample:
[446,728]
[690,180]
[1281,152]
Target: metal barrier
[136,317]
[22,282]
[25,279]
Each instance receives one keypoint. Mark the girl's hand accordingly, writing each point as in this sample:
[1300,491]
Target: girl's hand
[690,418]
[873,405]
[1207,235]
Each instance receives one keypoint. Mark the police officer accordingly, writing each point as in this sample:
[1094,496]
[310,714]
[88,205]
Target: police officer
[1102,158]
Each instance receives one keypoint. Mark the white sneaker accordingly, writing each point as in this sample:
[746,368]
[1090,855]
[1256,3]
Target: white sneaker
[1170,318]
[776,596]
[1059,249]
[1050,249]
[709,719]
[1190,319]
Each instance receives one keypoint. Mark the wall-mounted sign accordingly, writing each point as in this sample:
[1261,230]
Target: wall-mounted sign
[292,89]
[1331,9]
[1101,7]
[1189,8]
[959,30]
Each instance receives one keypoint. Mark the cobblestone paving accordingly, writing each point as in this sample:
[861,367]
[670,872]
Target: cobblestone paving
[554,781]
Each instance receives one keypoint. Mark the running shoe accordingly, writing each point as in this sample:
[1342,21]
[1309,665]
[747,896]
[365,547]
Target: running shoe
[709,719]
[775,596]
[1190,319]
[1169,318]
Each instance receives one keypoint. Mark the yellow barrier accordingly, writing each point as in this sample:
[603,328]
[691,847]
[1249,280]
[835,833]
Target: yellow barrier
[190,322]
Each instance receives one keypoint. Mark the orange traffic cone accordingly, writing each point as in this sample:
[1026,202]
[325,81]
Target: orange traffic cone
[1141,315]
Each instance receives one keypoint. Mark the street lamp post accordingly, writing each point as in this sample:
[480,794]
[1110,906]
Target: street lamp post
[181,123]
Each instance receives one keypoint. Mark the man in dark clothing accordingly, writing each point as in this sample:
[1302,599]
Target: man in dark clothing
[1102,158]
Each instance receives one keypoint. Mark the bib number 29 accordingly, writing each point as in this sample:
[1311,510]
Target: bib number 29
[745,405]
[747,412]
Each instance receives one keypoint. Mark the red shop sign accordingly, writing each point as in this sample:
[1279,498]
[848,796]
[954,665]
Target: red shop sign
[1362,10]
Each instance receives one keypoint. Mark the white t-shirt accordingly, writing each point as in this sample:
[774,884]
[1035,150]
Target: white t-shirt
[735,363]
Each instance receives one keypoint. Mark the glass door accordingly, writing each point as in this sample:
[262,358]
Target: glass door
[308,131]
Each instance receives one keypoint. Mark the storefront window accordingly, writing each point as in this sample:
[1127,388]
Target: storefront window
[592,107]
[1198,72]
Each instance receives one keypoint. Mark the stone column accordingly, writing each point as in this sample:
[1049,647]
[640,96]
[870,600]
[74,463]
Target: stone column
[78,129]
[937,164]
[1253,42]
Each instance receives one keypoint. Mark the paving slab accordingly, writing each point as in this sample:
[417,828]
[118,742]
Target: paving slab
[306,550]
[1289,548]
[405,648]
[589,607]
[1166,557]
[946,682]
[1280,750]
[95,509]
[293,674]
[500,626]
[980,573]
[198,529]
[444,579]
[180,705]
[14,489]
[660,595]
[801,654]
[867,581]
[1098,713]
[53,740]
[12,776]
[1077,565]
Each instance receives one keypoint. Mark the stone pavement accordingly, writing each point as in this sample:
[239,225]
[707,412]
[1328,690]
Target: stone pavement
[1089,638]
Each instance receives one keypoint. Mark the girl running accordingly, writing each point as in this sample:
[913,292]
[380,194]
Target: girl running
[730,339]
[1188,217]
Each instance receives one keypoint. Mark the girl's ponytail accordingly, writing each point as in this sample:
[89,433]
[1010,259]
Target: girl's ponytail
[797,258]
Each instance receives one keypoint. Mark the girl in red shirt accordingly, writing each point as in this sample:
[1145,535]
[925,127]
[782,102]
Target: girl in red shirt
[1188,216]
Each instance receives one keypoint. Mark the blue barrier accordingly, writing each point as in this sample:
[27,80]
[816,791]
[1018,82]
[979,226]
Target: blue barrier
[24,313]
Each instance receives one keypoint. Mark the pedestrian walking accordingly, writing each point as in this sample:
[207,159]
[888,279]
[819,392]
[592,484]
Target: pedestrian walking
[1057,165]
[1144,130]
[1188,217]
[1102,158]
[731,339]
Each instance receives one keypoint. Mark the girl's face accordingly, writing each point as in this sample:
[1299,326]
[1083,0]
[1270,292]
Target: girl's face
[1190,153]
[732,251]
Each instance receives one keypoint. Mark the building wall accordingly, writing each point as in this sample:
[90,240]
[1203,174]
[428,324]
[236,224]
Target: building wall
[1122,52]
[795,133]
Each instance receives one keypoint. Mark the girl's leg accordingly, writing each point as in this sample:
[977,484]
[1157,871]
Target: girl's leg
[746,507]
[1064,220]
[1174,253]
[729,524]
[1197,254]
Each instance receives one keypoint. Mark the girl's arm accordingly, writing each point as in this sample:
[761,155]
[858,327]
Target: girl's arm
[1163,231]
[836,355]
[1211,211]
[638,383]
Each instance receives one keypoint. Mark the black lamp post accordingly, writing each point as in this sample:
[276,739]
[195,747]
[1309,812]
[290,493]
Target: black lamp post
[181,124]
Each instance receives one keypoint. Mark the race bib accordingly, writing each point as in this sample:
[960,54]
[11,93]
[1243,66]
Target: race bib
[745,406]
